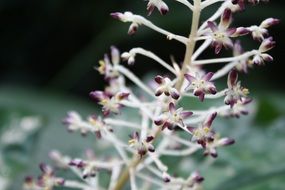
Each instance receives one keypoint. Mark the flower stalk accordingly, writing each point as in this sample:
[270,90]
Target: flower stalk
[191,43]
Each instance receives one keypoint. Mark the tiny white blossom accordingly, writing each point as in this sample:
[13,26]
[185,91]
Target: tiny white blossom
[261,57]
[159,4]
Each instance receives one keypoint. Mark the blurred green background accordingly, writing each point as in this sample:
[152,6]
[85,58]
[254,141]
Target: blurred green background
[48,51]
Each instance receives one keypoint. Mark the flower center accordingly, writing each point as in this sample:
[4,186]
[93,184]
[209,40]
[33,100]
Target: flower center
[219,35]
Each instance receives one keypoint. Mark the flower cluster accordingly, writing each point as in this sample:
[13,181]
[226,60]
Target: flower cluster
[201,85]
[143,146]
[93,124]
[172,117]
[47,180]
[235,92]
[207,138]
[107,66]
[155,114]
[110,102]
[166,87]
[87,167]
[221,34]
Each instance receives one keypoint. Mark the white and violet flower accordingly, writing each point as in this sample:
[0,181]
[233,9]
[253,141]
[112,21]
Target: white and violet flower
[201,85]
[220,34]
[235,91]
[46,181]
[172,117]
[166,87]
[106,66]
[141,146]
[203,132]
[128,17]
[261,57]
[261,32]
[74,122]
[213,143]
[159,4]
[110,103]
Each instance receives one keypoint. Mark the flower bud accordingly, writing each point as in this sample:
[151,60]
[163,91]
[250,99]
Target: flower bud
[269,22]
[133,28]
[159,4]
[130,58]
[166,87]
[166,177]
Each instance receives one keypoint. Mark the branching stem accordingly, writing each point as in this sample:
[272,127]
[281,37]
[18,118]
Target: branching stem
[190,46]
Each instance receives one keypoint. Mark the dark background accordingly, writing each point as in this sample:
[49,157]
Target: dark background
[54,44]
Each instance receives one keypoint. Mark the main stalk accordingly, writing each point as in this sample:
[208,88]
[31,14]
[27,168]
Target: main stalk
[190,46]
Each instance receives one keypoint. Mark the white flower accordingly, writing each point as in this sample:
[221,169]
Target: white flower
[201,85]
[261,31]
[166,87]
[129,17]
[129,57]
[159,4]
[261,56]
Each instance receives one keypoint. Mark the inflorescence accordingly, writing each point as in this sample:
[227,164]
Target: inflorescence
[161,117]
